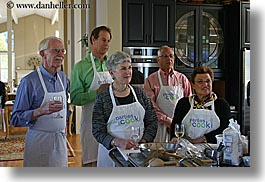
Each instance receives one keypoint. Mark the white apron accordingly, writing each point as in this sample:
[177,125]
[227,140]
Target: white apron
[45,144]
[200,121]
[88,142]
[122,118]
[167,100]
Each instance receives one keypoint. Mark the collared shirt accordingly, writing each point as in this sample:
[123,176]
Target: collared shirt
[152,88]
[81,78]
[30,95]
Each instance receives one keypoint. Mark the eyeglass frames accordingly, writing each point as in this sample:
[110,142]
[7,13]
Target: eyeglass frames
[200,82]
[57,51]
[167,55]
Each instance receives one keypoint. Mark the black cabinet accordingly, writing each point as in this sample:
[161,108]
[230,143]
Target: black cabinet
[245,22]
[200,37]
[237,67]
[148,23]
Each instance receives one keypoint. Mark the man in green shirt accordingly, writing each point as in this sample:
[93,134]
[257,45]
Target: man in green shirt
[88,77]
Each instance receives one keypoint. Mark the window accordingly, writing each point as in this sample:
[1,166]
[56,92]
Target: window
[4,55]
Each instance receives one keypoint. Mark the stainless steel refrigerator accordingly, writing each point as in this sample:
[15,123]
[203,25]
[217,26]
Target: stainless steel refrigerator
[246,91]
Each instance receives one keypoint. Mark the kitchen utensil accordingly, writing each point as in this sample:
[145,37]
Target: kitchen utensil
[168,147]
[156,162]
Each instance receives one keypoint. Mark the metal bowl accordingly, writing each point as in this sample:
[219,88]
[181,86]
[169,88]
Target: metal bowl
[168,147]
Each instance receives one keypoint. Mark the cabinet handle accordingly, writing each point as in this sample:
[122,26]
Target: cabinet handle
[150,39]
[146,38]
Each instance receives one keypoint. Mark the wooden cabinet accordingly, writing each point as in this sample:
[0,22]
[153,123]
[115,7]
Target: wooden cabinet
[148,23]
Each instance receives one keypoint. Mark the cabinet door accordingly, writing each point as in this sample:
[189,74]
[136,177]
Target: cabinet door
[199,36]
[148,22]
[134,25]
[162,21]
[245,25]
[212,38]
[185,29]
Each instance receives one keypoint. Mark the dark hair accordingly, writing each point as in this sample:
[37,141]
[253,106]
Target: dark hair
[96,31]
[201,70]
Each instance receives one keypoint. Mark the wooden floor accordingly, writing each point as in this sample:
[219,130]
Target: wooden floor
[74,140]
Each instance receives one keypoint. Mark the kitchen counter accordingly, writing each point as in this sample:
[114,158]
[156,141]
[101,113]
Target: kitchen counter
[138,159]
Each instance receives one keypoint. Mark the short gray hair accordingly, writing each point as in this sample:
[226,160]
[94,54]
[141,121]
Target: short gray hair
[45,42]
[163,47]
[117,58]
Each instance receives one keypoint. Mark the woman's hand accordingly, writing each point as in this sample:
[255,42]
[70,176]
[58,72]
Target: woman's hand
[126,144]
[199,140]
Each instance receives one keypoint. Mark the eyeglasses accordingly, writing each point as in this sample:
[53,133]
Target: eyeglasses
[167,55]
[201,82]
[57,51]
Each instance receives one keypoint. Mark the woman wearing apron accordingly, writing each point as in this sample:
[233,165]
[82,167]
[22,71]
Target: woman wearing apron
[118,109]
[41,104]
[203,114]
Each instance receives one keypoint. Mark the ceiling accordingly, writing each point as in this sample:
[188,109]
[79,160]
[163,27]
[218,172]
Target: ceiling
[26,11]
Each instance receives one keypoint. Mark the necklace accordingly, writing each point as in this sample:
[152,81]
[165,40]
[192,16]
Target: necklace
[120,90]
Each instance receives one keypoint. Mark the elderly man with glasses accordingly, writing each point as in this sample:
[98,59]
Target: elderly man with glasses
[41,105]
[165,87]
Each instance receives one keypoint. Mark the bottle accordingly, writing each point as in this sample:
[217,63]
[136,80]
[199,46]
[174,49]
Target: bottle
[233,143]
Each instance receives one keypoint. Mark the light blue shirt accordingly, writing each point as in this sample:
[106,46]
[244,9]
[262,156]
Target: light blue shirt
[30,94]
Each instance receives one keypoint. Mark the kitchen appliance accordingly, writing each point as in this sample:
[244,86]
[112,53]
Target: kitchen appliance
[143,61]
[246,92]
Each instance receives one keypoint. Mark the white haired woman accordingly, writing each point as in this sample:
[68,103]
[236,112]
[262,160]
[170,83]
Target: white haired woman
[119,108]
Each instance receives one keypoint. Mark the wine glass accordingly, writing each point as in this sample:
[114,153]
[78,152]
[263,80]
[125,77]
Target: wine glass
[179,130]
[58,98]
[135,134]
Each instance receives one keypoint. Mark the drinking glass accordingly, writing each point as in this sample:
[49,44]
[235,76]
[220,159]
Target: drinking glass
[135,134]
[58,98]
[179,130]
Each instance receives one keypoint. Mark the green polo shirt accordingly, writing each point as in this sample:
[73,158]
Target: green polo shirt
[81,78]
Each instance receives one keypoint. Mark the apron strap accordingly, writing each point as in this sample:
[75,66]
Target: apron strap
[42,81]
[160,80]
[112,95]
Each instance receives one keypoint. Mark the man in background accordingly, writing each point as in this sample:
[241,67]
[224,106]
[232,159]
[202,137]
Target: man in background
[88,77]
[165,87]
